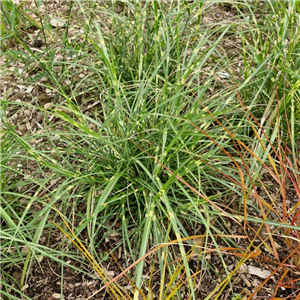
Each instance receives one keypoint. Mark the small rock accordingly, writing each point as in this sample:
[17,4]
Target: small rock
[48,105]
[38,43]
[39,117]
[27,112]
[57,23]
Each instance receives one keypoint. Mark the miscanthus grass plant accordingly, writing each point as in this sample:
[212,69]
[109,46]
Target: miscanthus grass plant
[155,130]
